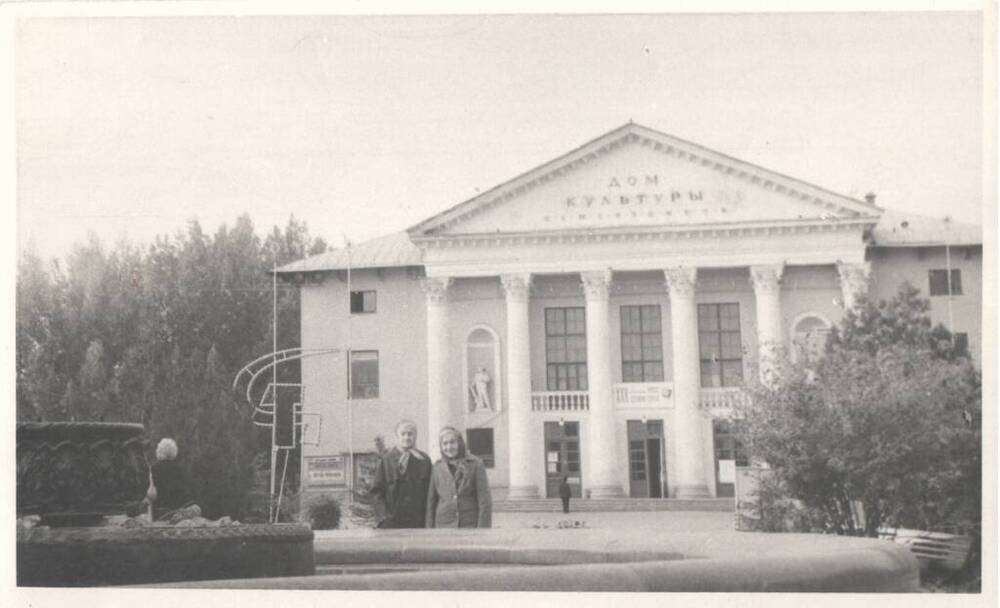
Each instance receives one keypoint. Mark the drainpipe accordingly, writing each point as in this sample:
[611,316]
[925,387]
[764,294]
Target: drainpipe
[350,389]
[947,263]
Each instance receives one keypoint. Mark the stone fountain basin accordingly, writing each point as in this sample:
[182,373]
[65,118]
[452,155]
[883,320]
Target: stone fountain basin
[642,560]
[110,555]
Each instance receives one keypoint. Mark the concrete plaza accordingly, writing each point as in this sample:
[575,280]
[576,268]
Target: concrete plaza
[681,521]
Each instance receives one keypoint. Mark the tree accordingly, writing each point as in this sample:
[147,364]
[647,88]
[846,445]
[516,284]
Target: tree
[155,335]
[884,430]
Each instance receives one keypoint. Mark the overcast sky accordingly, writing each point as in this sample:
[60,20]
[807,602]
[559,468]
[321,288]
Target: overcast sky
[365,125]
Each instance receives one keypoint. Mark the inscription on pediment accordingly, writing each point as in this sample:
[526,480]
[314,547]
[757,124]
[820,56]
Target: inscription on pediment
[646,196]
[636,186]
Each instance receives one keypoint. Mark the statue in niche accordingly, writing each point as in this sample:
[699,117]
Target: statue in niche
[480,389]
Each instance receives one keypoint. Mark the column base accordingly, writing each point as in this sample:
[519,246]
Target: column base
[522,492]
[613,491]
[692,492]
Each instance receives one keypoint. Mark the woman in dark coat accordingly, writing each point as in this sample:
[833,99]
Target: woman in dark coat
[167,490]
[459,493]
[401,481]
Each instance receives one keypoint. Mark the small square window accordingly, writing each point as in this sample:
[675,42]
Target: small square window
[364,374]
[362,302]
[480,443]
[939,282]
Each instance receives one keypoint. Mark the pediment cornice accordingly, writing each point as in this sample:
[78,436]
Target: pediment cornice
[831,204]
[654,233]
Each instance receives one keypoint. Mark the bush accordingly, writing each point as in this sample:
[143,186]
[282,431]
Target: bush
[771,508]
[323,513]
[883,431]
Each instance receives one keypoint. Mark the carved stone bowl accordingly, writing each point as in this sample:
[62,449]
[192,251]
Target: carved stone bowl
[74,473]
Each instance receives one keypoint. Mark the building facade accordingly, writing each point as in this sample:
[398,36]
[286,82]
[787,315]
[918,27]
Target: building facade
[596,317]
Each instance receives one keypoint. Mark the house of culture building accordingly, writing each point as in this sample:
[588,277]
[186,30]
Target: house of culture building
[596,316]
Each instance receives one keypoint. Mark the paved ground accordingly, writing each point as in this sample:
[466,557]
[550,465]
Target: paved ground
[688,521]
[617,551]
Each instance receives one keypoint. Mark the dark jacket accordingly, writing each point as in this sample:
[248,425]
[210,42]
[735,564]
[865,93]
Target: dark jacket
[403,496]
[169,481]
[467,506]
[564,490]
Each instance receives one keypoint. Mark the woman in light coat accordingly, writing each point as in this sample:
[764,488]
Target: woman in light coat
[459,493]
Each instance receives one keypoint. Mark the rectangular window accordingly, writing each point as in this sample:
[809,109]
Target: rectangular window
[720,346]
[362,301]
[642,344]
[566,349]
[727,443]
[480,443]
[962,342]
[637,460]
[364,374]
[939,282]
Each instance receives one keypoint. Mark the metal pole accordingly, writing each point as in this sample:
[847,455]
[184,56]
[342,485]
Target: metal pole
[281,488]
[298,425]
[272,512]
[951,314]
[350,420]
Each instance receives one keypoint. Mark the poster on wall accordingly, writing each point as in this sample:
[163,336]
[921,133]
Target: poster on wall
[325,471]
[727,471]
[310,428]
[365,465]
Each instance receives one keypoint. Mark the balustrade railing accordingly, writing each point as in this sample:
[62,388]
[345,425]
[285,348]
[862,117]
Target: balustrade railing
[560,401]
[659,394]
[722,399]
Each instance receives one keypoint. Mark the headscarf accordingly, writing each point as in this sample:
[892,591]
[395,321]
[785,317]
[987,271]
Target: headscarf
[456,464]
[404,458]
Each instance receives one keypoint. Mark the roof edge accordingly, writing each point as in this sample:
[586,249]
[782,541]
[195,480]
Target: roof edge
[421,228]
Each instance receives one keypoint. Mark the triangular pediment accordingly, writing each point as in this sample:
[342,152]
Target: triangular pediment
[635,177]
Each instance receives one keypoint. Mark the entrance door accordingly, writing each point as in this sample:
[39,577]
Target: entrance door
[653,457]
[562,457]
[646,459]
[729,454]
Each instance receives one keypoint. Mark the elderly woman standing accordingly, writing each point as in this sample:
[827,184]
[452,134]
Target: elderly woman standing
[459,493]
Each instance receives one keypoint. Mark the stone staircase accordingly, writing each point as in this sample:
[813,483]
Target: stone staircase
[577,505]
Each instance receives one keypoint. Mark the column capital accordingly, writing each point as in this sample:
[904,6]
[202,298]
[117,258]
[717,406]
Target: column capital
[596,283]
[766,278]
[436,289]
[853,280]
[681,280]
[517,287]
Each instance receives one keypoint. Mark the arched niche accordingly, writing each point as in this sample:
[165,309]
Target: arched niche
[809,332]
[481,385]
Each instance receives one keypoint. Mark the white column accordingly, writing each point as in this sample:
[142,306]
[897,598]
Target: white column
[692,480]
[436,290]
[853,282]
[517,288]
[604,482]
[766,281]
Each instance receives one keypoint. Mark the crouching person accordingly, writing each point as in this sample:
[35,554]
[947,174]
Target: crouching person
[459,493]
